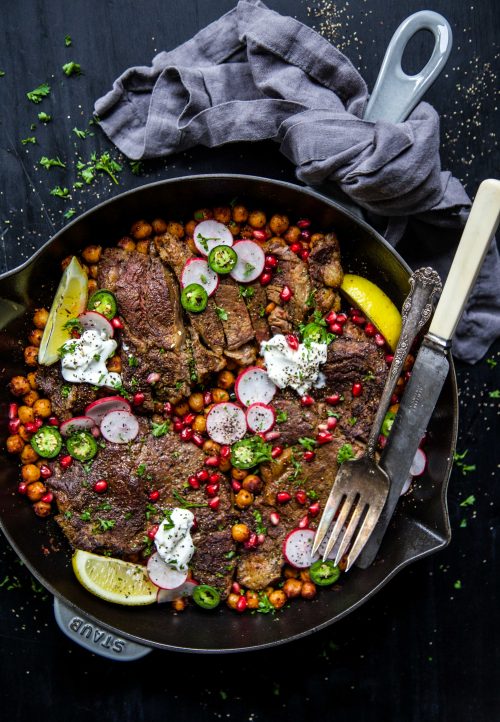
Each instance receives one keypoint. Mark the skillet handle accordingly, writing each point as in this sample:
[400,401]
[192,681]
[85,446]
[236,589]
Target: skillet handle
[95,638]
[395,93]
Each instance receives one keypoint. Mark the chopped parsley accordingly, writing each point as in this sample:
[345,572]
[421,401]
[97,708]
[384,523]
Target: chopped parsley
[262,311]
[44,117]
[246,291]
[185,503]
[370,376]
[133,361]
[65,391]
[281,417]
[312,495]
[460,463]
[85,515]
[248,269]
[128,515]
[159,430]
[265,606]
[457,584]
[67,41]
[491,362]
[345,453]
[81,133]
[72,68]
[307,443]
[203,240]
[2,73]
[221,313]
[104,524]
[352,420]
[470,501]
[69,213]
[68,514]
[141,470]
[494,394]
[59,192]
[38,94]
[230,555]
[310,300]
[136,167]
[259,526]
[51,162]
[107,165]
[31,139]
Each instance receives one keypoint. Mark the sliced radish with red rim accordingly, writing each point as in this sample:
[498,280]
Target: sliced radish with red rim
[254,386]
[209,234]
[226,423]
[97,410]
[119,427]
[184,590]
[406,485]
[93,321]
[77,423]
[418,464]
[251,261]
[162,575]
[260,418]
[198,271]
[297,548]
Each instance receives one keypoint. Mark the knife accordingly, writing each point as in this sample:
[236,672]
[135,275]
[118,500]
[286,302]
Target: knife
[431,364]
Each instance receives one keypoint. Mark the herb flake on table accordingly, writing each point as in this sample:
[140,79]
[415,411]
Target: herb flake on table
[494,394]
[44,117]
[67,41]
[470,501]
[460,463]
[491,362]
[72,68]
[136,167]
[2,73]
[38,94]
[69,213]
[81,133]
[31,139]
[51,162]
[60,192]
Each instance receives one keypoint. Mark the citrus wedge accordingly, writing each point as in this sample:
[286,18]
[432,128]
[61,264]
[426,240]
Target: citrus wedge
[113,579]
[376,306]
[70,300]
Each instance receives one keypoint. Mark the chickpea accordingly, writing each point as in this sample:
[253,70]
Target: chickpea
[14,444]
[219,395]
[292,234]
[195,402]
[191,246]
[40,318]
[126,243]
[31,355]
[394,408]
[317,237]
[240,214]
[232,600]
[42,408]
[304,575]
[25,436]
[292,588]
[279,224]
[28,455]
[93,270]
[234,228]
[211,448]
[181,409]
[270,308]
[343,563]
[42,508]
[30,397]
[35,337]
[200,424]
[203,214]
[189,228]
[243,498]
[140,230]
[246,231]
[409,361]
[30,473]
[19,385]
[224,465]
[32,379]
[65,262]
[252,599]
[36,490]
[159,225]
[238,474]
[252,483]
[257,219]
[225,379]
[308,590]
[278,598]
[222,214]
[91,286]
[175,229]
[26,414]
[179,605]
[290,572]
[240,532]
[142,247]
[92,254]
[114,364]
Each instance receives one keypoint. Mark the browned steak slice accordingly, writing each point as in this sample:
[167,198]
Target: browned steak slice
[326,272]
[233,313]
[294,420]
[256,302]
[67,399]
[291,272]
[204,361]
[244,355]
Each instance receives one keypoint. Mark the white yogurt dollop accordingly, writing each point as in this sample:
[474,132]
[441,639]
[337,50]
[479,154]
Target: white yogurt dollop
[83,360]
[296,368]
[174,543]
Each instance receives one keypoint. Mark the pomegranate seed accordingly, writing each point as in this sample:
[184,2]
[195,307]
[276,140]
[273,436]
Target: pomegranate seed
[265,278]
[324,437]
[197,439]
[331,423]
[202,475]
[304,522]
[301,497]
[282,497]
[167,408]
[251,541]
[14,425]
[307,400]
[13,411]
[186,434]
[193,482]
[272,435]
[153,531]
[212,461]
[304,254]
[154,495]
[261,538]
[241,604]
[336,328]
[309,455]
[235,485]
[333,399]
[189,418]
[194,526]
[306,236]
[53,421]
[271,261]
[66,461]
[100,486]
[382,441]
[370,329]
[212,489]
[394,399]
[296,247]
[314,509]
[116,323]
[292,341]
[357,389]
[341,318]
[331,317]
[30,427]
[214,503]
[45,471]
[48,498]
[153,378]
[389,358]
[215,478]
[138,398]
[276,451]
[379,339]
[38,423]
[207,398]
[21,488]
[235,588]
[274,518]
[260,236]
[407,375]
[359,320]
[178,426]
[286,294]
[303,223]
[225,452]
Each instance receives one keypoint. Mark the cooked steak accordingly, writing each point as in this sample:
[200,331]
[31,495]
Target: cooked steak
[67,400]
[298,421]
[291,272]
[204,361]
[256,302]
[236,322]
[326,272]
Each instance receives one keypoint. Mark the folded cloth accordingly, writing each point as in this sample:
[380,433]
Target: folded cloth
[255,74]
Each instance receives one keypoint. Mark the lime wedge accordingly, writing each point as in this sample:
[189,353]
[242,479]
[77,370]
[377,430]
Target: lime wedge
[375,304]
[70,300]
[113,579]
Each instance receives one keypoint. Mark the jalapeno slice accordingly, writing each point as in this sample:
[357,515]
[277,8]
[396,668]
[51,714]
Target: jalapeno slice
[194,298]
[315,333]
[81,446]
[249,452]
[206,596]
[324,573]
[47,442]
[387,423]
[222,259]
[103,302]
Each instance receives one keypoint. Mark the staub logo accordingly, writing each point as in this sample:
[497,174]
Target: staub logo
[96,635]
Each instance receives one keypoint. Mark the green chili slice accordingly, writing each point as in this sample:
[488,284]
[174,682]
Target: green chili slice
[81,446]
[103,302]
[222,259]
[249,452]
[324,573]
[387,423]
[206,596]
[194,298]
[47,442]
[315,333]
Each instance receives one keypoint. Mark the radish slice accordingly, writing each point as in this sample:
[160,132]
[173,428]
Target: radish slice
[97,410]
[260,418]
[184,590]
[209,234]
[250,263]
[297,548]
[406,485]
[77,423]
[226,423]
[119,427]
[162,575]
[418,464]
[253,386]
[93,321]
[198,271]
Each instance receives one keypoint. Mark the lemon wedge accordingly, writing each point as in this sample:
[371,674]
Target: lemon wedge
[70,300]
[113,579]
[375,304]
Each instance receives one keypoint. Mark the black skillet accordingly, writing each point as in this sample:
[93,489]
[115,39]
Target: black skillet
[420,525]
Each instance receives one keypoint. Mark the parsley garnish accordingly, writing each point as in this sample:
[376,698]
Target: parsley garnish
[67,41]
[470,501]
[310,300]
[104,524]
[51,162]
[345,453]
[248,269]
[37,95]
[491,362]
[459,462]
[265,606]
[68,514]
[262,311]
[185,503]
[81,133]
[141,470]
[369,376]
[246,291]
[72,68]
[230,555]
[352,420]
[494,394]
[107,165]
[59,192]
[85,515]
[281,417]
[31,139]
[159,430]
[2,73]
[65,391]
[133,361]
[312,495]
[44,117]
[69,213]
[136,167]
[261,529]
[457,584]
[221,313]
[307,443]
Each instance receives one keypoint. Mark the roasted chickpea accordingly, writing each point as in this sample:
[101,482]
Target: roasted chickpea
[159,225]
[179,605]
[181,409]
[222,214]
[240,214]
[225,379]
[35,337]
[19,385]
[91,286]
[211,448]
[224,465]
[14,444]
[219,395]
[278,598]
[232,600]
[195,402]
[25,436]
[42,408]
[270,308]
[114,364]
[93,270]
[292,234]
[175,229]
[30,398]
[191,245]
[234,228]
[126,243]
[308,590]
[290,572]
[252,483]
[36,490]
[240,532]
[292,588]
[394,408]
[142,247]
[42,508]
[279,224]
[30,473]
[257,219]
[243,498]
[65,262]
[40,317]
[203,214]
[317,237]
[31,355]
[409,361]
[28,455]
[238,474]
[26,414]
[92,254]
[304,575]
[141,229]
[31,377]
[246,231]
[189,228]
[343,563]
[200,424]
[252,599]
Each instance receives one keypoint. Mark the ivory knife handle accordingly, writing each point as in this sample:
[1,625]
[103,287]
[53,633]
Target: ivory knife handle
[477,234]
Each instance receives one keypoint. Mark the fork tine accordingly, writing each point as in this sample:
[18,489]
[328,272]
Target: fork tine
[351,528]
[324,522]
[364,533]
[350,496]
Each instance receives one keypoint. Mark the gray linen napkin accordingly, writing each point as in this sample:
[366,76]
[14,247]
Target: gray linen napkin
[253,75]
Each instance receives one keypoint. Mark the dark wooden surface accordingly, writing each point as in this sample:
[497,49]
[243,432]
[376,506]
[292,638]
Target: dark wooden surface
[426,647]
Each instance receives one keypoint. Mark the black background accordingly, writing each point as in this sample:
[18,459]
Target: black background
[426,647]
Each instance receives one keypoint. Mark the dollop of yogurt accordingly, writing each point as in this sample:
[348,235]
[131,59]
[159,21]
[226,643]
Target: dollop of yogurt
[173,539]
[298,368]
[83,360]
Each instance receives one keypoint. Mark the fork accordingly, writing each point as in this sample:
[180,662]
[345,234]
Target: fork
[361,486]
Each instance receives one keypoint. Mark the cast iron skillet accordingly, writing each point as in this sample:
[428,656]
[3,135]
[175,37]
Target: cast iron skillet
[420,526]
